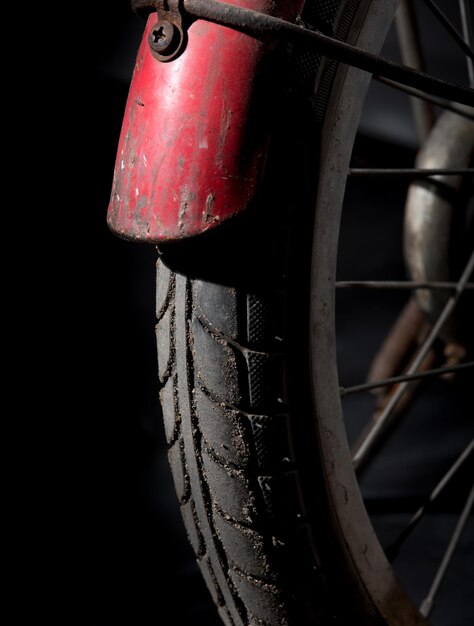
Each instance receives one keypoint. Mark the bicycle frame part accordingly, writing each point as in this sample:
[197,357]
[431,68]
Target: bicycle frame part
[429,213]
[195,131]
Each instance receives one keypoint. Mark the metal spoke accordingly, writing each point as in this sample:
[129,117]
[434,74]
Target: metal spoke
[451,29]
[468,34]
[254,22]
[428,603]
[410,173]
[393,549]
[368,445]
[398,284]
[439,371]
[409,40]
[444,104]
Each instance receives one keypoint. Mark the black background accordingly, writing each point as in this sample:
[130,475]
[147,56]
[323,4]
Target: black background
[128,554]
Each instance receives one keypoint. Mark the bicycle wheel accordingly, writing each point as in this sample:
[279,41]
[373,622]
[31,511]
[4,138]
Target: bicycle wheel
[253,417]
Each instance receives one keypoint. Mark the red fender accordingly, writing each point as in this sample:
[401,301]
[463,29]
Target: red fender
[194,137]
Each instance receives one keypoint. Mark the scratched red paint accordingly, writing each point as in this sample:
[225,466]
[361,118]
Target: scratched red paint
[194,137]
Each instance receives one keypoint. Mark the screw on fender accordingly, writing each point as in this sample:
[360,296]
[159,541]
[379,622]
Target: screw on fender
[164,38]
[168,37]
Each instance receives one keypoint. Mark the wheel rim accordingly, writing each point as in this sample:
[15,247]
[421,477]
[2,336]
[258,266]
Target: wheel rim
[371,568]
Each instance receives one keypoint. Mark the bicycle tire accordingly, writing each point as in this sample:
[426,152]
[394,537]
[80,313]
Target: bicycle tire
[250,465]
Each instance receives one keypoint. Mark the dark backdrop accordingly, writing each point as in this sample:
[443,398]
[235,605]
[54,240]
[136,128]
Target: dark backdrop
[128,556]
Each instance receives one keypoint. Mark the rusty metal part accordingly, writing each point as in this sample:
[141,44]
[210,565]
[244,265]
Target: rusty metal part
[168,38]
[410,389]
[162,38]
[454,354]
[404,339]
[427,364]
[384,422]
[429,213]
[398,345]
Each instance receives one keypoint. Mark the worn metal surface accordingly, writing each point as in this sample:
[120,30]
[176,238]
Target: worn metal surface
[251,21]
[168,38]
[429,212]
[194,136]
[274,24]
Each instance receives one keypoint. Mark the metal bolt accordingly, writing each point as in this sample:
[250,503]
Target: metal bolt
[162,37]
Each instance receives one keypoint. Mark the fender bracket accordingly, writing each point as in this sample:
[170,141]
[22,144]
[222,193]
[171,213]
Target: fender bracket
[168,37]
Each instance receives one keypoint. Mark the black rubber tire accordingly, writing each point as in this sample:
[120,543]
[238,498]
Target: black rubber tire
[222,359]
[236,397]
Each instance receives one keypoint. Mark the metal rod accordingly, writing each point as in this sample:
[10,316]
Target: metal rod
[444,104]
[439,371]
[249,21]
[468,34]
[366,448]
[394,548]
[398,284]
[411,173]
[446,22]
[428,603]
[409,40]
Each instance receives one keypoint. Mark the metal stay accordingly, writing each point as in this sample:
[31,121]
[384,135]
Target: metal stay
[259,24]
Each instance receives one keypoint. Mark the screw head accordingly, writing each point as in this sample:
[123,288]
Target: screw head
[162,37]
